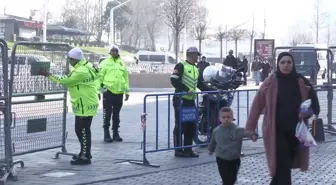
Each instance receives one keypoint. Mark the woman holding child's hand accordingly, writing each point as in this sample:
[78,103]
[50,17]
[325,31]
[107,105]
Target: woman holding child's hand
[279,97]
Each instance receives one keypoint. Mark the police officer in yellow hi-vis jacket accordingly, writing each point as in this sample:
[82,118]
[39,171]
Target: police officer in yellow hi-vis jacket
[83,92]
[185,78]
[114,80]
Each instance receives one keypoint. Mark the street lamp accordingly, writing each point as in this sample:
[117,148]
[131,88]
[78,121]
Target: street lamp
[112,20]
[45,20]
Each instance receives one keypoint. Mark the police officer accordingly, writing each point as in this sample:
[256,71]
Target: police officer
[114,80]
[84,99]
[185,78]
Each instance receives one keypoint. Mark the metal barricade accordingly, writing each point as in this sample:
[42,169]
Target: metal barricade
[158,129]
[39,105]
[6,158]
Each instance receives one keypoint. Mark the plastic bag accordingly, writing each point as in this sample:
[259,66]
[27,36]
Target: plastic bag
[304,107]
[304,136]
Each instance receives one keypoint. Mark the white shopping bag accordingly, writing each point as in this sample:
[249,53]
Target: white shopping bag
[303,135]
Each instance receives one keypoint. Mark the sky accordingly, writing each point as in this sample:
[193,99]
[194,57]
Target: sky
[282,16]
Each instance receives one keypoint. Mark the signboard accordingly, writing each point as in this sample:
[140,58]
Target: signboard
[264,49]
[33,25]
[189,114]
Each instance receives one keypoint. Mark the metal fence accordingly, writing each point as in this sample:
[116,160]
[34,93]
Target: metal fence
[33,109]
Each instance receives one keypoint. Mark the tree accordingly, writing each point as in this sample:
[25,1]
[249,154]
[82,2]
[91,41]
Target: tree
[319,19]
[301,38]
[200,26]
[152,21]
[221,35]
[237,35]
[121,19]
[251,35]
[177,13]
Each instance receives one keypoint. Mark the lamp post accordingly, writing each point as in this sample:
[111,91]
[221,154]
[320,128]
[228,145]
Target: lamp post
[112,20]
[45,20]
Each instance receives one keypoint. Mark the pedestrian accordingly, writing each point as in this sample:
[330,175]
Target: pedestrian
[280,97]
[226,141]
[231,61]
[255,68]
[201,66]
[245,66]
[83,92]
[265,70]
[185,78]
[114,81]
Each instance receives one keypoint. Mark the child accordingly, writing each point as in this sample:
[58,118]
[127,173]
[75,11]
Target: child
[227,141]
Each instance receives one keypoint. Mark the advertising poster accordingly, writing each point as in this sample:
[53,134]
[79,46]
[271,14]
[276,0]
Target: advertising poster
[263,48]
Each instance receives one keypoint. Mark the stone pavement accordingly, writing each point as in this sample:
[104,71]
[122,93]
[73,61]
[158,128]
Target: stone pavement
[40,168]
[253,171]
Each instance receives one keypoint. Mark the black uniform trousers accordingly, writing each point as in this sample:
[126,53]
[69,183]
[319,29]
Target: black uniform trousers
[228,170]
[188,128]
[286,147]
[112,104]
[83,132]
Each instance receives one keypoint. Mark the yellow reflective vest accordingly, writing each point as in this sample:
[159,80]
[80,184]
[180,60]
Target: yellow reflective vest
[190,79]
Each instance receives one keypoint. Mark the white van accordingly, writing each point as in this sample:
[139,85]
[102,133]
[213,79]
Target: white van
[150,57]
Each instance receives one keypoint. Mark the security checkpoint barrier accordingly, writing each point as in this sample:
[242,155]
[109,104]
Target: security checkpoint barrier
[33,109]
[154,124]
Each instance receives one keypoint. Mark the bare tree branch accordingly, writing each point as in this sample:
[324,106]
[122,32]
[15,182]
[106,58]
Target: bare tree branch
[238,35]
[319,19]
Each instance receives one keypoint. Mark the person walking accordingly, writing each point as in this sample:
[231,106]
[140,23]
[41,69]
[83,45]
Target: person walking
[81,83]
[255,68]
[226,141]
[280,97]
[185,78]
[113,76]
[245,66]
[265,70]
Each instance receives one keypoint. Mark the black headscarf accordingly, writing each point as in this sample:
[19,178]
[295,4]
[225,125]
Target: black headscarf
[288,96]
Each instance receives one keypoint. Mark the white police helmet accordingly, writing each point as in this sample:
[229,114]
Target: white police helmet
[209,73]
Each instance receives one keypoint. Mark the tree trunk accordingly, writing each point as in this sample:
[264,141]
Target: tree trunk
[177,41]
[251,44]
[236,47]
[221,50]
[200,47]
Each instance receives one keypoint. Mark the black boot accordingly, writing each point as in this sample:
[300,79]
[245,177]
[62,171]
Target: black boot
[107,136]
[116,136]
[190,153]
[80,160]
[76,156]
[180,153]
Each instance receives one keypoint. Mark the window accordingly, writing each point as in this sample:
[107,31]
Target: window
[157,58]
[171,60]
[31,60]
[143,57]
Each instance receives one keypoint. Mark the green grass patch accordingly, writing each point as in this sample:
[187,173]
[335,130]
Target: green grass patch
[104,51]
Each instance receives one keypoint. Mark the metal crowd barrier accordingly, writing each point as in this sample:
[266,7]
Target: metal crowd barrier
[158,129]
[33,109]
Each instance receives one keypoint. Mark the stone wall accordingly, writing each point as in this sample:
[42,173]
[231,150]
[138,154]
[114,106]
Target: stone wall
[150,80]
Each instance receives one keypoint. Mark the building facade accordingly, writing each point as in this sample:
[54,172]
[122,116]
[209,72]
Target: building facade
[12,27]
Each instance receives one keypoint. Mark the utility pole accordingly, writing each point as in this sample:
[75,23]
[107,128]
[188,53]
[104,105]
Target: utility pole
[264,34]
[45,20]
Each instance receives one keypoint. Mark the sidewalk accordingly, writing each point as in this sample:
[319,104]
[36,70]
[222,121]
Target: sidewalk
[41,168]
[253,171]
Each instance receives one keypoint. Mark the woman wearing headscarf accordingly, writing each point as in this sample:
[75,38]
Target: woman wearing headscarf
[280,97]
